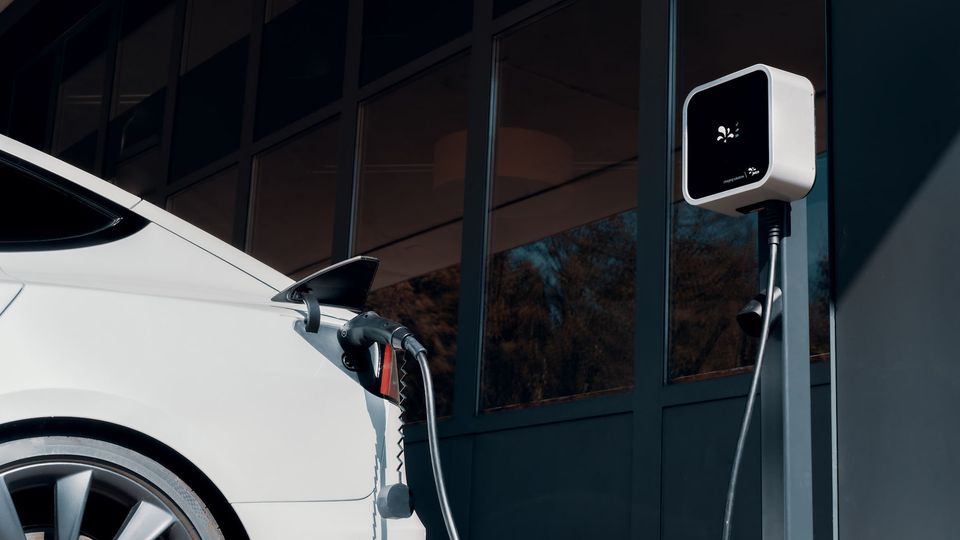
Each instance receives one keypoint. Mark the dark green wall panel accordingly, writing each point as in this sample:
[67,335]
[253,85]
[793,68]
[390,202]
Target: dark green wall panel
[895,91]
[698,445]
[565,480]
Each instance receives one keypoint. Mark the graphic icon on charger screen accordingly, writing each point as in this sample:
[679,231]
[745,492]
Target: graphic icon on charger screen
[728,134]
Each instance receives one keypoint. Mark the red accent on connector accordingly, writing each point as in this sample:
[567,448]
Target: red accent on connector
[386,373]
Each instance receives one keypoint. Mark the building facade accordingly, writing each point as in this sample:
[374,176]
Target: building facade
[515,166]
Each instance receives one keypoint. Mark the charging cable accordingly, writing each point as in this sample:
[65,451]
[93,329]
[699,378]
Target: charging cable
[774,221]
[368,328]
[432,441]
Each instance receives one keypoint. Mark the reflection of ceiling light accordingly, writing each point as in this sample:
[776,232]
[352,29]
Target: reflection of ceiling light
[521,153]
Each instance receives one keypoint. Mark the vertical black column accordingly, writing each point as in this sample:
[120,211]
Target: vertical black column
[110,68]
[475,213]
[347,158]
[895,165]
[173,81]
[655,184]
[785,431]
[246,168]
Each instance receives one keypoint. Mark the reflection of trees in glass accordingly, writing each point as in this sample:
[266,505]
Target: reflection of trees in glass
[559,318]
[713,269]
[819,268]
[819,263]
[427,305]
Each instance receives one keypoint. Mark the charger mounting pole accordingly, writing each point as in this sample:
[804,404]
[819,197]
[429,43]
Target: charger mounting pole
[767,163]
[786,469]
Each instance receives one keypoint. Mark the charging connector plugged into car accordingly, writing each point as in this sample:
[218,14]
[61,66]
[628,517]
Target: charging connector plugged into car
[367,329]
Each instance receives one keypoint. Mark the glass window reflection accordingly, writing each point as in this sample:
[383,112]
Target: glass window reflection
[560,277]
[209,112]
[80,97]
[503,6]
[410,211]
[301,67]
[209,204]
[211,26]
[30,113]
[395,33]
[713,258]
[142,69]
[294,190]
[142,174]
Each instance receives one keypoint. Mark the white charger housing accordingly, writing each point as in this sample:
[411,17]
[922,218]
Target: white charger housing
[749,137]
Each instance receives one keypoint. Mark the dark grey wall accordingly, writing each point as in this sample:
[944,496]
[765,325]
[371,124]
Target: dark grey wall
[561,480]
[895,92]
[572,479]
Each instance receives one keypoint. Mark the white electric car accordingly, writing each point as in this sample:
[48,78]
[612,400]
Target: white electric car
[151,386]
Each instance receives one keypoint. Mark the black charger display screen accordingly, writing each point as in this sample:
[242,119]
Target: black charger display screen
[728,135]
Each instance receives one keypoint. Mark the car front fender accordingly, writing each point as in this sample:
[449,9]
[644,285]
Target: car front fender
[234,389]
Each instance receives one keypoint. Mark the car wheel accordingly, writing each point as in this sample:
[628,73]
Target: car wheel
[56,488]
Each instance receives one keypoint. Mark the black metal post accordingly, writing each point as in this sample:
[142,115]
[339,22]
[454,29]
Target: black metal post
[787,476]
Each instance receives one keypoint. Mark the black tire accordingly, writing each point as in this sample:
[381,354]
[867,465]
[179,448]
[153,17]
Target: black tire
[119,480]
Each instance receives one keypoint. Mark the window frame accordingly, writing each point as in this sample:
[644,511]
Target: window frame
[124,222]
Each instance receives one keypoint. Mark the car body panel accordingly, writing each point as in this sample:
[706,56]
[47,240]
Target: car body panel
[214,245]
[168,221]
[325,520]
[151,262]
[172,333]
[9,289]
[257,408]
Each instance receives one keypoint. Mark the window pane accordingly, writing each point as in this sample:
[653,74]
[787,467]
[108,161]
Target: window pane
[143,57]
[141,174]
[301,68]
[395,33]
[560,278]
[211,26]
[818,263]
[276,7]
[140,79]
[209,204]
[82,153]
[80,96]
[294,191]
[31,210]
[713,258]
[410,212]
[6,102]
[210,94]
[31,103]
[502,6]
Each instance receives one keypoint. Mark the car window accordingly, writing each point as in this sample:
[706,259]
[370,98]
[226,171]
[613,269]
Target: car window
[36,213]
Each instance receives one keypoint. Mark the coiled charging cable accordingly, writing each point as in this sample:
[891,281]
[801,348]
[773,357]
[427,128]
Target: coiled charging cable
[367,328]
[773,219]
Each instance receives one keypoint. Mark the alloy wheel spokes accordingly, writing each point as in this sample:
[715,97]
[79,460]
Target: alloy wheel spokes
[10,528]
[71,500]
[146,522]
[146,515]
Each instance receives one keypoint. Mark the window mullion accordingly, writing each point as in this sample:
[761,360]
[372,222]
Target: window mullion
[475,217]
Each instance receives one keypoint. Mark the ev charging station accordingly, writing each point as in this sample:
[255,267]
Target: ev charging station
[749,145]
